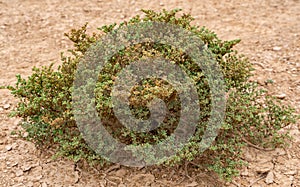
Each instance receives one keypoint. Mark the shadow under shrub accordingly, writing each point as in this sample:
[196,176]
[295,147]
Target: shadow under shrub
[251,115]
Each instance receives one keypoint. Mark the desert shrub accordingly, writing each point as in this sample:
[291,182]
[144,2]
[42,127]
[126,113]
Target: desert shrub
[45,100]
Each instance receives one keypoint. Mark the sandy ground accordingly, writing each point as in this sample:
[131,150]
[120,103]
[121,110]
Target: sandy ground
[31,34]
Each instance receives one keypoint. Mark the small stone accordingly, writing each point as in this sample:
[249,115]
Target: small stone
[280,96]
[280,151]
[120,173]
[8,148]
[49,160]
[6,106]
[25,135]
[14,164]
[270,178]
[19,173]
[245,173]
[261,82]
[161,4]
[276,48]
[264,167]
[86,9]
[44,184]
[26,168]
[11,164]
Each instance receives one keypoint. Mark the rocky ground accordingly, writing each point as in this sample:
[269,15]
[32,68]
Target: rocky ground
[31,34]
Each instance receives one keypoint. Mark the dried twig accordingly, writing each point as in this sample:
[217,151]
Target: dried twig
[258,179]
[113,167]
[255,146]
[109,181]
[186,169]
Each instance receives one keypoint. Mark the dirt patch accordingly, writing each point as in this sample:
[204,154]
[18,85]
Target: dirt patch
[31,34]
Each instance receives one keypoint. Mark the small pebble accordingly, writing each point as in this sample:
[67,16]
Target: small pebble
[26,168]
[245,173]
[19,173]
[276,48]
[14,164]
[25,135]
[264,167]
[8,148]
[6,106]
[280,96]
[270,178]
